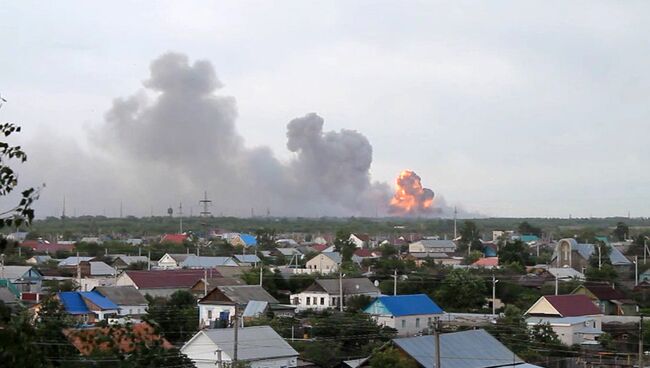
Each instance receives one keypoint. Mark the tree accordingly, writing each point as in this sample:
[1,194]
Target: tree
[462,291]
[177,317]
[356,303]
[514,252]
[391,358]
[525,228]
[344,245]
[621,232]
[265,238]
[470,235]
[22,212]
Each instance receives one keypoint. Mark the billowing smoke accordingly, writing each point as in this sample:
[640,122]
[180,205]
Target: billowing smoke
[177,137]
[411,198]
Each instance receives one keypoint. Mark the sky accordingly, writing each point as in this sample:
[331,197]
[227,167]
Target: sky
[503,108]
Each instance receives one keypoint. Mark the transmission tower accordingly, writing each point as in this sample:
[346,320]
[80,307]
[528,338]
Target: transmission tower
[205,202]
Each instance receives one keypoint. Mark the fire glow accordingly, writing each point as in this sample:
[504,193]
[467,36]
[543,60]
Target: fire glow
[410,197]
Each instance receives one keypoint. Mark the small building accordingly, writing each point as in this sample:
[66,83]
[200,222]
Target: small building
[26,279]
[569,253]
[128,299]
[174,238]
[87,306]
[170,261]
[609,300]
[408,314]
[243,240]
[432,246]
[325,293]
[259,346]
[324,263]
[219,306]
[247,259]
[38,260]
[122,261]
[486,262]
[202,287]
[574,318]
[161,283]
[360,240]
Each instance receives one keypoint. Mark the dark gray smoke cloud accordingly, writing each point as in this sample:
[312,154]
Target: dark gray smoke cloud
[177,138]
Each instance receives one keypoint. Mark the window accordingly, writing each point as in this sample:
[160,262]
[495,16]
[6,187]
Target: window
[429,321]
[210,314]
[308,302]
[417,322]
[322,301]
[403,323]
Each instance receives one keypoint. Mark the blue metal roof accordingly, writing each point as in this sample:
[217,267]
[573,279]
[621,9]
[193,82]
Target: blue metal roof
[528,238]
[404,305]
[99,300]
[72,302]
[249,239]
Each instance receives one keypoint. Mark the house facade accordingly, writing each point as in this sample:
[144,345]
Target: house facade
[325,293]
[608,299]
[128,299]
[324,263]
[218,307]
[432,246]
[408,314]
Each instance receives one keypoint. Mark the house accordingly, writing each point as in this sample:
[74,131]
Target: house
[44,247]
[259,346]
[72,262]
[9,297]
[91,340]
[464,349]
[247,259]
[24,278]
[502,234]
[91,240]
[569,253]
[432,246]
[175,261]
[96,274]
[174,238]
[203,286]
[243,240]
[323,248]
[362,254]
[87,306]
[128,299]
[38,260]
[18,236]
[486,262]
[438,258]
[219,306]
[609,300]
[408,314]
[574,318]
[566,274]
[326,293]
[161,283]
[324,263]
[360,240]
[121,261]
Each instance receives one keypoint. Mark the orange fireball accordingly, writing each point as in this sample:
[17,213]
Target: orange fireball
[410,197]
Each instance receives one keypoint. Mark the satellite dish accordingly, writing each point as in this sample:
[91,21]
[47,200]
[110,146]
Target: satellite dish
[376,283]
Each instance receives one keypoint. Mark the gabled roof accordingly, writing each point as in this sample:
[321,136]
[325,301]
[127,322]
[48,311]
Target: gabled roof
[404,305]
[73,261]
[465,349]
[17,272]
[255,343]
[42,247]
[586,250]
[254,308]
[165,279]
[247,258]
[122,295]
[288,252]
[366,253]
[434,244]
[604,291]
[319,247]
[248,239]
[487,262]
[101,269]
[193,261]
[7,296]
[220,281]
[174,238]
[98,299]
[72,302]
[573,305]
[360,285]
[242,294]
[334,256]
[132,259]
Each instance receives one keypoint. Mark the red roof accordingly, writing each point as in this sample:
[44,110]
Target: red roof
[174,238]
[605,292]
[573,305]
[167,278]
[42,247]
[319,247]
[366,253]
[487,262]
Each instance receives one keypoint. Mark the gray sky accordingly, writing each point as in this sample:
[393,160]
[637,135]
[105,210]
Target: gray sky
[504,108]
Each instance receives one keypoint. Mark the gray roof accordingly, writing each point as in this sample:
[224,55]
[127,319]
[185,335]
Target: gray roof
[16,272]
[132,259]
[466,349]
[255,343]
[289,252]
[242,294]
[586,250]
[334,256]
[7,297]
[40,259]
[247,258]
[73,261]
[122,295]
[433,244]
[101,269]
[193,261]
[254,308]
[359,285]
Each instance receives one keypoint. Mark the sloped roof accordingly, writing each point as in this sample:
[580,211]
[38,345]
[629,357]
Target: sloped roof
[72,302]
[132,259]
[16,272]
[42,247]
[98,299]
[319,247]
[122,295]
[174,238]
[366,253]
[194,261]
[288,252]
[407,305]
[255,343]
[465,349]
[242,294]
[359,285]
[7,297]
[572,305]
[165,278]
[334,256]
[247,258]
[254,308]
[487,262]
[586,250]
[605,292]
[73,261]
[101,269]
[434,244]
[248,239]
[221,281]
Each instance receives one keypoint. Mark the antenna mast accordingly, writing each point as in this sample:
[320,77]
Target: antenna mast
[180,214]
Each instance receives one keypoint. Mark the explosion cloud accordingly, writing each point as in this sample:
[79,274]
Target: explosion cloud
[410,197]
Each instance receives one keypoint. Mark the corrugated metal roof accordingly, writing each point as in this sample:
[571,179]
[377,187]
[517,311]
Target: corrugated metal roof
[193,261]
[334,256]
[254,308]
[358,285]
[248,239]
[406,305]
[98,299]
[17,272]
[255,343]
[101,269]
[122,295]
[586,250]
[72,302]
[73,261]
[243,294]
[165,278]
[466,349]
[247,258]
[572,305]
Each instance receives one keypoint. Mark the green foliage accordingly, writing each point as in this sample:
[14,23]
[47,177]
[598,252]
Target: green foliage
[514,252]
[344,245]
[469,234]
[391,358]
[22,212]
[526,228]
[621,232]
[605,273]
[176,317]
[265,238]
[474,256]
[461,291]
[356,303]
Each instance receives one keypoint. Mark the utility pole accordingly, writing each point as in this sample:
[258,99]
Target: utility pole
[641,342]
[2,264]
[436,337]
[636,270]
[645,248]
[600,263]
[395,282]
[261,273]
[236,342]
[455,227]
[556,285]
[205,282]
[494,294]
[180,214]
[340,289]
[78,272]
[149,261]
